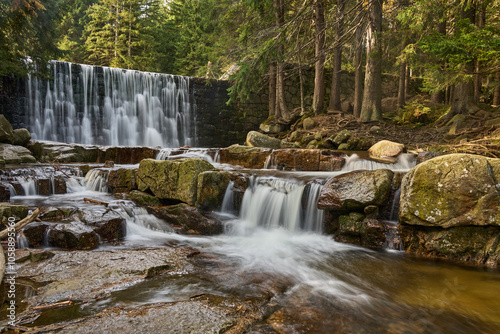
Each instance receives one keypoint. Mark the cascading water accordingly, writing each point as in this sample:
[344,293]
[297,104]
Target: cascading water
[110,106]
[272,203]
[404,162]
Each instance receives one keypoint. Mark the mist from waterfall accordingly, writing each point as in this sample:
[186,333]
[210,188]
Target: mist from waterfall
[109,106]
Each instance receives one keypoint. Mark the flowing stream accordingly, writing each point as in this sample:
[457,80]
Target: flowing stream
[322,286]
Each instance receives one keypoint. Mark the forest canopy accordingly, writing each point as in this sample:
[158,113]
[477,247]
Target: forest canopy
[452,46]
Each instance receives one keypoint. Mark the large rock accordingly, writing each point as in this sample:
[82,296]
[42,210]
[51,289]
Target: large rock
[386,148]
[450,208]
[35,233]
[21,137]
[257,139]
[308,124]
[342,137]
[17,211]
[187,219]
[73,235]
[109,225]
[212,186]
[245,156]
[122,180]
[356,190]
[172,179]
[452,190]
[6,132]
[12,154]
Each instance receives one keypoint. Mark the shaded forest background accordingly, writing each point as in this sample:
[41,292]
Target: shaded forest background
[453,47]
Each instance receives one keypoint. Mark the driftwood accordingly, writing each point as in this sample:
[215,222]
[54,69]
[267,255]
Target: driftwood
[52,306]
[90,200]
[22,223]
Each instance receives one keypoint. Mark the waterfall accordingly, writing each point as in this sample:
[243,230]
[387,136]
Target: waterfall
[279,203]
[405,162]
[97,180]
[110,106]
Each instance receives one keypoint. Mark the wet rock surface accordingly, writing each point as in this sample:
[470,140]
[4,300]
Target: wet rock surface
[245,156]
[356,190]
[13,154]
[172,179]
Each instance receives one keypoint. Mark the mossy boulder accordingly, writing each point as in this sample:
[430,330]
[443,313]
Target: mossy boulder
[6,131]
[144,199]
[17,211]
[245,156]
[452,190]
[257,139]
[342,137]
[13,154]
[172,179]
[122,180]
[73,236]
[356,190]
[308,124]
[211,189]
[21,137]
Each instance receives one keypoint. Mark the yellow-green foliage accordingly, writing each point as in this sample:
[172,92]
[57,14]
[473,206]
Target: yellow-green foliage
[420,111]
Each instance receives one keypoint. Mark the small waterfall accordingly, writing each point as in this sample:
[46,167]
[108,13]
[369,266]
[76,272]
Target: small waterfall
[277,203]
[169,154]
[394,215]
[404,161]
[97,180]
[28,185]
[110,106]
[21,241]
[228,200]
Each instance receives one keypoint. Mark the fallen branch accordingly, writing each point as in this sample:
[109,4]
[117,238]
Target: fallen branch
[52,306]
[59,169]
[90,200]
[20,224]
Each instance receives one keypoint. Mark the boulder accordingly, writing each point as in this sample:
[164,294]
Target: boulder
[17,211]
[72,236]
[245,156]
[172,179]
[6,132]
[386,148]
[257,139]
[12,154]
[450,208]
[355,229]
[271,128]
[308,124]
[356,190]
[109,225]
[144,199]
[187,219]
[342,137]
[452,190]
[122,180]
[21,137]
[35,233]
[211,189]
[376,130]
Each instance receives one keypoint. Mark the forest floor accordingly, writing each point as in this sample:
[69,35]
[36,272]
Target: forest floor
[477,133]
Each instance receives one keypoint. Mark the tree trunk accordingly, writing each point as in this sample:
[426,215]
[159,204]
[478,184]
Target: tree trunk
[463,95]
[358,73]
[496,93]
[281,108]
[272,90]
[478,78]
[337,58]
[372,96]
[438,97]
[402,85]
[319,42]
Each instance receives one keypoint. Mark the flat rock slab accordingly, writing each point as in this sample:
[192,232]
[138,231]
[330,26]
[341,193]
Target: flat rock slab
[194,317]
[84,275]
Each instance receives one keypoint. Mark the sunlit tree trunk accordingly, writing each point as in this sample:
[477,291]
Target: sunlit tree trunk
[358,60]
[319,42]
[371,109]
[337,58]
